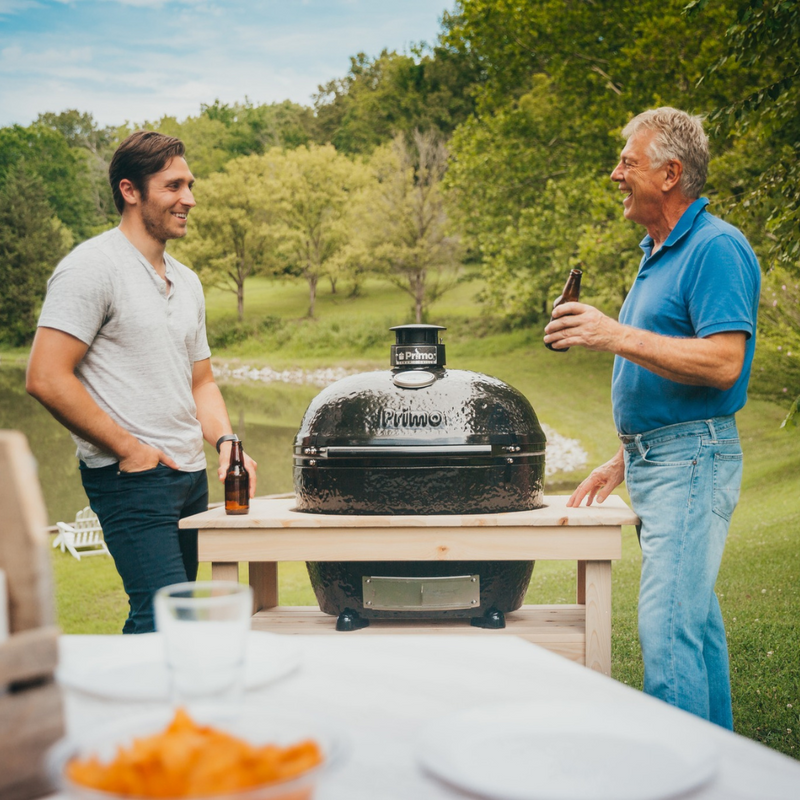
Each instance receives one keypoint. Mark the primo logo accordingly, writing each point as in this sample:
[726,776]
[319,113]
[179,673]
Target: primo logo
[410,419]
[416,355]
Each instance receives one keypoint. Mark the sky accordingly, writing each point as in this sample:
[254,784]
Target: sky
[138,60]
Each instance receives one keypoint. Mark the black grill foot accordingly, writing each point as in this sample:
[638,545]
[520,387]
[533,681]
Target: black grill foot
[492,619]
[349,620]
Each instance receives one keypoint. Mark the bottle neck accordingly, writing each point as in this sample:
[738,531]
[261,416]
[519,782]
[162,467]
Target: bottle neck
[237,456]
[572,289]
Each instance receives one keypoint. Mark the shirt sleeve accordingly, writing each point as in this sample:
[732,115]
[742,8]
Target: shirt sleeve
[724,295]
[79,297]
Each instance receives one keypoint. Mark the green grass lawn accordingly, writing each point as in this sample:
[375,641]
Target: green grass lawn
[758,583]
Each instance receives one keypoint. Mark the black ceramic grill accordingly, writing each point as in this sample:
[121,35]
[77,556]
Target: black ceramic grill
[419,439]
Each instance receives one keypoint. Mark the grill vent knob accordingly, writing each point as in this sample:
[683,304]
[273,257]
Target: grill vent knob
[414,379]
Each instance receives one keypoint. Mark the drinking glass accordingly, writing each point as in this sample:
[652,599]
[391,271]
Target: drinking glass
[205,626]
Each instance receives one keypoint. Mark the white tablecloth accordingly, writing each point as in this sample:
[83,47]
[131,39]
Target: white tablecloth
[383,690]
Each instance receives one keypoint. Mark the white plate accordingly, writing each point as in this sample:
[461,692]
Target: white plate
[568,752]
[136,670]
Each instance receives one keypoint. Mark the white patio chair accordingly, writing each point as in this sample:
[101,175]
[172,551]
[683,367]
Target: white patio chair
[82,537]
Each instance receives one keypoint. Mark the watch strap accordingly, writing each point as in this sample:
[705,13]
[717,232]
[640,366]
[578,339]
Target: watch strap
[228,437]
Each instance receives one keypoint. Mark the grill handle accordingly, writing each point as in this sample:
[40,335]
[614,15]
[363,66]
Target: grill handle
[389,451]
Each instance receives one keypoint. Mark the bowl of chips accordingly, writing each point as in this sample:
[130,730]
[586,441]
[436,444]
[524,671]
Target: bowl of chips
[214,753]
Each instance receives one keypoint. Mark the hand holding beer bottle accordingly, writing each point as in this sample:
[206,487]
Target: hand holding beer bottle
[237,482]
[571,294]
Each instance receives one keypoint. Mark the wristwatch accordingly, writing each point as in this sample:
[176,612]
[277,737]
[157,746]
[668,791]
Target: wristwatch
[228,437]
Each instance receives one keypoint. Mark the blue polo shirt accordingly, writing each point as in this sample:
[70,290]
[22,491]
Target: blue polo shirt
[704,279]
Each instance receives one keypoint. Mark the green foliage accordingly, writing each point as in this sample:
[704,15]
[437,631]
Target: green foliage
[223,131]
[207,142]
[764,39]
[227,333]
[256,129]
[45,152]
[314,190]
[234,223]
[558,81]
[94,146]
[776,370]
[393,93]
[32,241]
[407,233]
[606,60]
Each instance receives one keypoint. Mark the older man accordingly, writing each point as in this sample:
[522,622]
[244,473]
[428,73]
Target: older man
[684,346]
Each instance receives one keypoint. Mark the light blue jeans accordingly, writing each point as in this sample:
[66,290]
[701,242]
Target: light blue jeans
[683,482]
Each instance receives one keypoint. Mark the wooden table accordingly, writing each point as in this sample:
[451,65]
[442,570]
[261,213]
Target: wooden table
[273,532]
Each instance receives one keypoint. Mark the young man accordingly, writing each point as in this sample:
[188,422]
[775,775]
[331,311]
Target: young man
[121,359]
[684,346]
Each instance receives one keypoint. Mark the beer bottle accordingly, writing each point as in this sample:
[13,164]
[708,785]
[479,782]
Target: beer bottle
[237,482]
[571,294]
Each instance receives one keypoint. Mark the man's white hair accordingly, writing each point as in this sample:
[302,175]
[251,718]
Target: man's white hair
[678,137]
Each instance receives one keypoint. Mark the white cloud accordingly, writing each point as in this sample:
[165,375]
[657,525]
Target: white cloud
[137,60]
[10,7]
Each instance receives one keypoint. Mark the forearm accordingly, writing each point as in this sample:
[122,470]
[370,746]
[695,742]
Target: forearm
[691,361]
[211,412]
[715,360]
[213,417]
[66,398]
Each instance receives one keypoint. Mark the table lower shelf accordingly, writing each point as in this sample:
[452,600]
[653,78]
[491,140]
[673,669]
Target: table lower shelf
[561,628]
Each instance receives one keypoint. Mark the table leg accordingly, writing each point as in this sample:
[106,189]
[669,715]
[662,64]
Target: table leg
[264,580]
[580,598]
[598,615]
[225,571]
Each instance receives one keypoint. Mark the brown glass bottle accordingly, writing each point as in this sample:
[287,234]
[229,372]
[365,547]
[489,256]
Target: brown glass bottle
[571,294]
[237,482]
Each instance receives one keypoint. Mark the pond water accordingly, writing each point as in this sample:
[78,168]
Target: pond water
[266,417]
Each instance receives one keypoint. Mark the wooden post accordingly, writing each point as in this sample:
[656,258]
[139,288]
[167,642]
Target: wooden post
[580,593]
[23,545]
[225,571]
[31,713]
[264,581]
[598,616]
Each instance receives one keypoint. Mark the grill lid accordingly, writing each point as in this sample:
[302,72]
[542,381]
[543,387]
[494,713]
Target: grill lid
[418,411]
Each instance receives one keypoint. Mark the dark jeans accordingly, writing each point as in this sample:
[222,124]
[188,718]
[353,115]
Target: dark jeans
[139,514]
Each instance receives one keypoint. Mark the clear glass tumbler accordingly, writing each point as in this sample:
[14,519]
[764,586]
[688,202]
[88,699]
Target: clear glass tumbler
[205,627]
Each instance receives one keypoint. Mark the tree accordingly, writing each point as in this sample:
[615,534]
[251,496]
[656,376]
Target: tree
[765,128]
[314,188]
[45,152]
[529,171]
[379,97]
[225,131]
[207,142]
[764,40]
[32,242]
[233,234]
[410,240]
[96,147]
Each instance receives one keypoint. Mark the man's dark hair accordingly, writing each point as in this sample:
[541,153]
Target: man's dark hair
[141,155]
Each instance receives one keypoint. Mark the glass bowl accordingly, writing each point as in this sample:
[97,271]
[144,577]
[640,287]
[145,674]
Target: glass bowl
[258,726]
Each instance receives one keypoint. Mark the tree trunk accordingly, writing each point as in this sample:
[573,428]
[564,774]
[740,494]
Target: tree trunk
[333,283]
[419,296]
[240,300]
[312,294]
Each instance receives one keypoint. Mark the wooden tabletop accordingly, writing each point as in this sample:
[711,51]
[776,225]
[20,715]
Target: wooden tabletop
[281,513]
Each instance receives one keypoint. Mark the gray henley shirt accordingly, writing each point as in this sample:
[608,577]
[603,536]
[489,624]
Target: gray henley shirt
[143,343]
